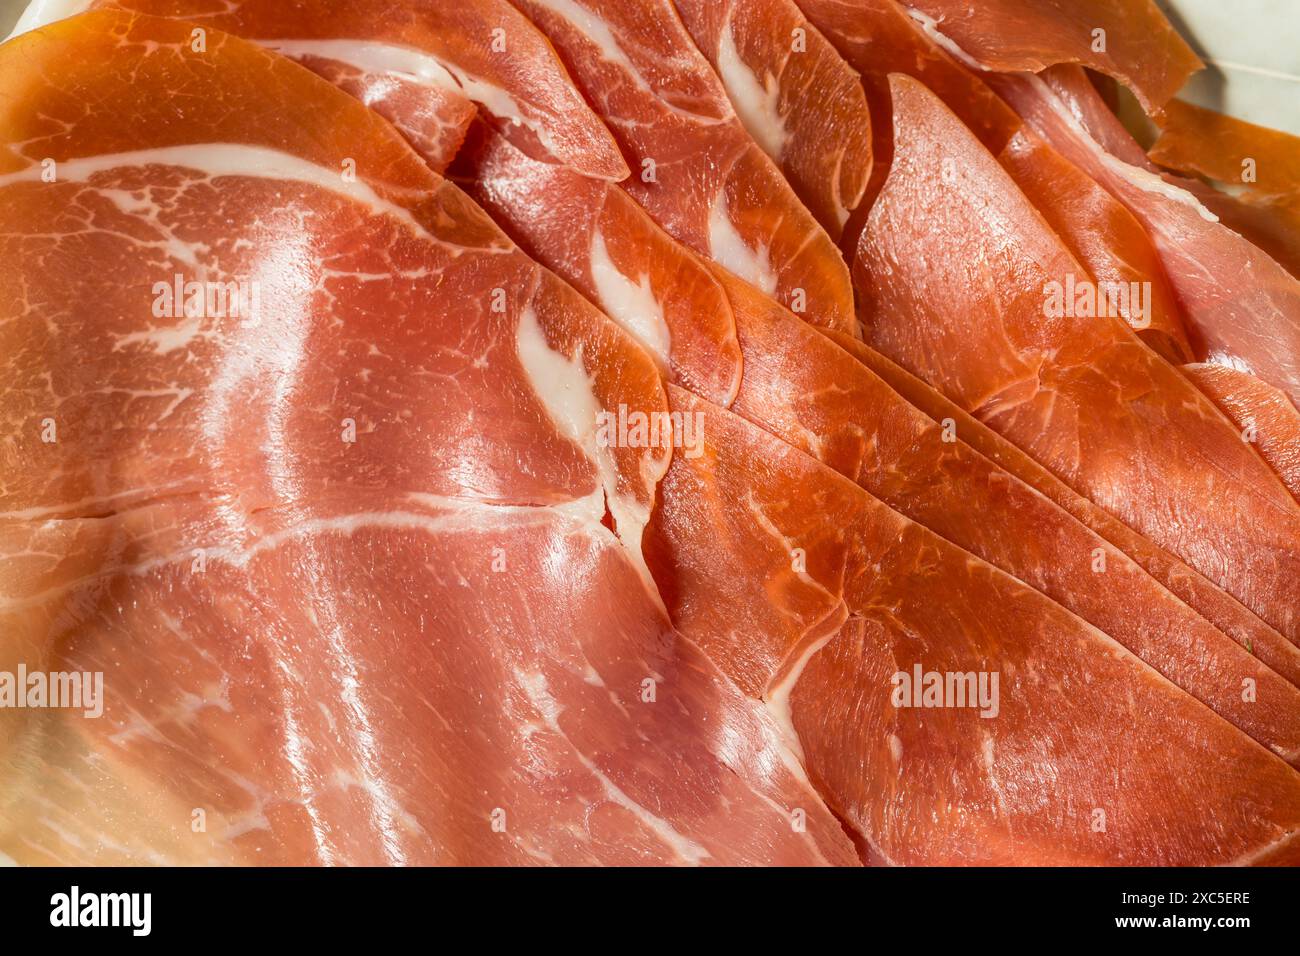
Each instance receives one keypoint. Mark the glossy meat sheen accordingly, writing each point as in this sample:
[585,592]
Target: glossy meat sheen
[1265,416]
[796,96]
[1101,234]
[1136,45]
[833,593]
[802,388]
[246,520]
[1213,603]
[480,50]
[1241,308]
[1263,166]
[596,237]
[434,121]
[954,267]
[1194,139]
[822,400]
[879,38]
[694,167]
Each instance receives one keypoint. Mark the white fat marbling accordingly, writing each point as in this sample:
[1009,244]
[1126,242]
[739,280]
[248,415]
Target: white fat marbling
[756,103]
[631,304]
[730,251]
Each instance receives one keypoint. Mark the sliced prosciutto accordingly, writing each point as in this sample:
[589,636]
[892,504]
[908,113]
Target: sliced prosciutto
[796,96]
[695,169]
[1265,416]
[596,237]
[802,388]
[837,607]
[1131,40]
[1261,166]
[964,301]
[879,38]
[419,65]
[1241,307]
[1214,604]
[363,585]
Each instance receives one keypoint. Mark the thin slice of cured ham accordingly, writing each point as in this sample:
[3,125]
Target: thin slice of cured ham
[964,301]
[695,169]
[839,605]
[1241,308]
[799,386]
[1130,40]
[1262,166]
[824,401]
[434,120]
[1264,415]
[1194,139]
[879,38]
[796,96]
[596,237]
[1216,605]
[362,583]
[1103,236]
[419,65]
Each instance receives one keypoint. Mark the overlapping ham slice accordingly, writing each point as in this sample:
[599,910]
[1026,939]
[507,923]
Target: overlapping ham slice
[1194,139]
[1241,307]
[797,98]
[833,594]
[695,169]
[961,301]
[362,583]
[1130,40]
[1262,165]
[1214,604]
[595,236]
[422,66]
[878,38]
[1265,416]
[801,387]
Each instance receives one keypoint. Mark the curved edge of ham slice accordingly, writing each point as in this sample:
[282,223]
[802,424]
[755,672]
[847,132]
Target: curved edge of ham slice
[798,99]
[696,170]
[1130,40]
[1081,394]
[1261,166]
[824,639]
[1265,416]
[481,50]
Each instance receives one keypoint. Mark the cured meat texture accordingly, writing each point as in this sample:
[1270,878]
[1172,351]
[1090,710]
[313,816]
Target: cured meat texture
[1265,416]
[401,453]
[1227,614]
[246,518]
[1240,307]
[422,66]
[797,98]
[1128,39]
[823,641]
[1262,165]
[694,167]
[597,238]
[879,38]
[803,389]
[1081,395]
